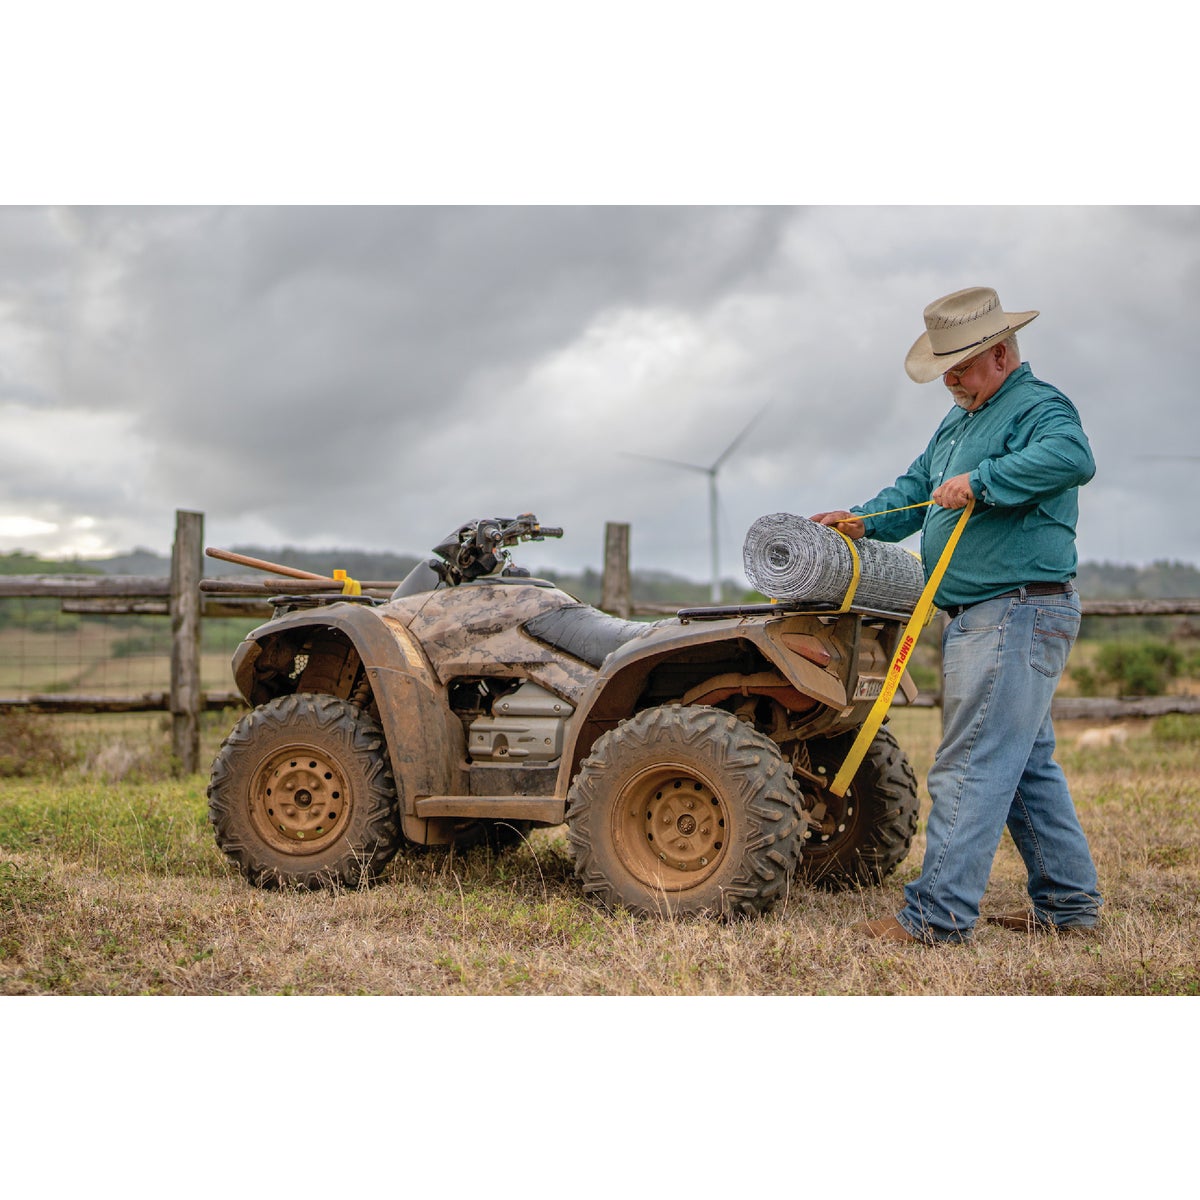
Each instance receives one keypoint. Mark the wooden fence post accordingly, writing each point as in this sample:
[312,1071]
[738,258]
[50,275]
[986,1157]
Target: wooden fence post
[616,593]
[187,560]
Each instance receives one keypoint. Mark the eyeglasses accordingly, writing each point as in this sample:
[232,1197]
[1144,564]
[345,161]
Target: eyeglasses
[962,368]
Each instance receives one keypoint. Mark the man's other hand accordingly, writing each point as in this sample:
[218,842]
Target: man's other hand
[954,493]
[843,521]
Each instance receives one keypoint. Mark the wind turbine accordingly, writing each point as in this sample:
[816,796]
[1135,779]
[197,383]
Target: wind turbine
[711,472]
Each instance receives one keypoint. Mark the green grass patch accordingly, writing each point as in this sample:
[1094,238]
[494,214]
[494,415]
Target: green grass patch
[159,828]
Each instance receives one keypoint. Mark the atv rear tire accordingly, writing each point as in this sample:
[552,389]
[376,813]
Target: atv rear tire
[683,811]
[302,794]
[866,834]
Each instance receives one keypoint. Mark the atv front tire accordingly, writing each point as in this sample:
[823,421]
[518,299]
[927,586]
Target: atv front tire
[302,794]
[683,811]
[862,837]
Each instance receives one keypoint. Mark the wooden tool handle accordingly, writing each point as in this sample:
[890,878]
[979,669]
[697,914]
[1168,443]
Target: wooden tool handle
[275,568]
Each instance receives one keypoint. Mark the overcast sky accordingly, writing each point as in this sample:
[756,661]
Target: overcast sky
[371,377]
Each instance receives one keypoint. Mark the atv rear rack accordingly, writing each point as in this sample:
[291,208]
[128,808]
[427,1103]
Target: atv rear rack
[782,608]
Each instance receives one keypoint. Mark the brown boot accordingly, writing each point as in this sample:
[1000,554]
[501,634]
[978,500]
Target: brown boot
[886,929]
[1027,921]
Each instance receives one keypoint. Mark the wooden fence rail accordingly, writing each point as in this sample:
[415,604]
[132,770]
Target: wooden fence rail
[182,598]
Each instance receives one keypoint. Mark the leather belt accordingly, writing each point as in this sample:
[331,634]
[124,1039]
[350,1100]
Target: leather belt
[1028,589]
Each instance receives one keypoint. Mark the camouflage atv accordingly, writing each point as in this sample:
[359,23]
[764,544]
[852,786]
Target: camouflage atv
[689,757]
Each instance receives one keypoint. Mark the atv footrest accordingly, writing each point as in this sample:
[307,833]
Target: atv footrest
[513,808]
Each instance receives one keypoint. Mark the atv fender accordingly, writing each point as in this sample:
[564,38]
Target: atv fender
[614,693]
[425,740]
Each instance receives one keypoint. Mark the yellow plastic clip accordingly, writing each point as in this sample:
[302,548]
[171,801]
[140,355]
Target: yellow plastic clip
[350,587]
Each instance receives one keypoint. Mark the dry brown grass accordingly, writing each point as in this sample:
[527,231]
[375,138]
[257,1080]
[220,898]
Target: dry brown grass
[117,889]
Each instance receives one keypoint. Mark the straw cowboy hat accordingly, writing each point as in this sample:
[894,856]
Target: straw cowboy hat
[960,326]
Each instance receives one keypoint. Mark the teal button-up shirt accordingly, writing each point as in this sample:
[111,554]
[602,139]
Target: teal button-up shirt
[1026,456]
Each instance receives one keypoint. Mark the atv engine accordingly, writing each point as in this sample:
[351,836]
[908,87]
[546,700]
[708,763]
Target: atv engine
[524,724]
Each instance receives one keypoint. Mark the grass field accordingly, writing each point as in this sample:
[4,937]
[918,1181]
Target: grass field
[116,888]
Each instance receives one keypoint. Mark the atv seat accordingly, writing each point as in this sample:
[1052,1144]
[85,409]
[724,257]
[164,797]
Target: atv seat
[584,632]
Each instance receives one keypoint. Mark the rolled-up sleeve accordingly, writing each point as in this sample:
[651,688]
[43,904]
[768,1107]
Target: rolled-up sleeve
[1050,454]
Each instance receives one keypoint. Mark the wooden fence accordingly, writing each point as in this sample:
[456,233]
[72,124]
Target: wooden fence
[180,597]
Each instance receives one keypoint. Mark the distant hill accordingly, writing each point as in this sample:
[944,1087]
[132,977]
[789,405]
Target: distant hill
[136,562]
[19,563]
[1158,581]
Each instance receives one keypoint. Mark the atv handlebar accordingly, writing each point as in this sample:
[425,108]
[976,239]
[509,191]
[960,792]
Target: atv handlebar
[508,531]
[477,548]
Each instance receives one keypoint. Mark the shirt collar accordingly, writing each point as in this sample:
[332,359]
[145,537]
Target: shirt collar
[1022,372]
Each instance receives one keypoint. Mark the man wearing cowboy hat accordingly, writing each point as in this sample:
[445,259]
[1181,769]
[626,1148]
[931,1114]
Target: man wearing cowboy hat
[1015,445]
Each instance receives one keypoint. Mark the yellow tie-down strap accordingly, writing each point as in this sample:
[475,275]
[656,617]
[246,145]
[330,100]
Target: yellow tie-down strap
[908,640]
[855,570]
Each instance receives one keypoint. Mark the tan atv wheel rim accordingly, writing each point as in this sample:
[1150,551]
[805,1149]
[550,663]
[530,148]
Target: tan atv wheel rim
[670,827]
[299,801]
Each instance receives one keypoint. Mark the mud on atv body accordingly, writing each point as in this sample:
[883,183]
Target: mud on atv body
[688,756]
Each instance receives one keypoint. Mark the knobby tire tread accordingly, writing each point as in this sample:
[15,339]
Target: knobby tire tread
[374,834]
[760,787]
[884,790]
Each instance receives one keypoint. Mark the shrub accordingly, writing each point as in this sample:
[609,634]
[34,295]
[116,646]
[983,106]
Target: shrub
[1135,668]
[1176,729]
[29,747]
[1086,681]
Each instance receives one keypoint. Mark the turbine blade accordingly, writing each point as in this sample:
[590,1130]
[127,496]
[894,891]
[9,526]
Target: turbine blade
[741,437]
[670,462]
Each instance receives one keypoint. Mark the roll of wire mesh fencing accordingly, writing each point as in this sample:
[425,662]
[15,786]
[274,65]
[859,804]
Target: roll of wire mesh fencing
[791,558]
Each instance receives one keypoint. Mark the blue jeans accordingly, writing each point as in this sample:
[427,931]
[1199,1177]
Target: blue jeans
[1002,660]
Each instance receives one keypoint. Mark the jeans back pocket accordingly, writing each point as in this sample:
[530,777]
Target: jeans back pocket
[1054,633]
